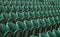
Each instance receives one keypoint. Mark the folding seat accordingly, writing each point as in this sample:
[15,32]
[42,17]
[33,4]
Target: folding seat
[57,19]
[50,13]
[5,32]
[26,8]
[54,13]
[52,34]
[7,9]
[19,8]
[22,26]
[31,8]
[37,26]
[27,15]
[29,24]
[13,16]
[32,14]
[15,30]
[57,12]
[35,23]
[5,3]
[20,15]
[42,13]
[13,8]
[11,3]
[52,19]
[15,3]
[35,7]
[57,33]
[46,13]
[37,14]
[44,23]
[48,21]
[5,16]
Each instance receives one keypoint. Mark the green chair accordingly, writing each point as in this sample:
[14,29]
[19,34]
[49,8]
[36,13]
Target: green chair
[20,15]
[5,16]
[22,26]
[5,31]
[46,13]
[36,23]
[57,33]
[57,19]
[32,15]
[52,21]
[48,22]
[15,30]
[13,16]
[43,22]
[37,14]
[27,15]
[51,34]
[42,14]
[30,26]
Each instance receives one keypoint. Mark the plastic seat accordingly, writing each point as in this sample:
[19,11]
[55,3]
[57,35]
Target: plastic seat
[53,20]
[20,15]
[27,15]
[5,16]
[37,14]
[21,25]
[57,33]
[5,31]
[16,31]
[52,34]
[32,14]
[35,23]
[13,16]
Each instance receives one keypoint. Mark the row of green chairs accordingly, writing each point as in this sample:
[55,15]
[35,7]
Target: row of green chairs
[28,8]
[39,22]
[21,0]
[54,0]
[54,33]
[33,0]
[26,27]
[28,15]
[28,3]
[27,0]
